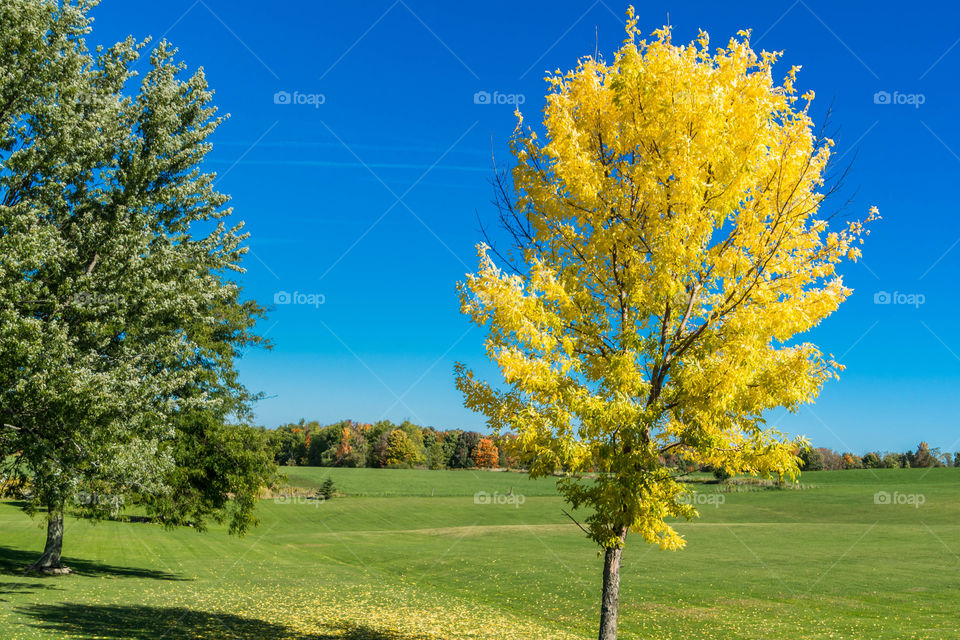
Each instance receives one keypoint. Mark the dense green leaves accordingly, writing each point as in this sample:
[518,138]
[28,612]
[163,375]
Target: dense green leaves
[119,318]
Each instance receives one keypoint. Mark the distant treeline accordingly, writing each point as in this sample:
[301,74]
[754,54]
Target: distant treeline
[923,457]
[406,445]
[385,444]
[823,459]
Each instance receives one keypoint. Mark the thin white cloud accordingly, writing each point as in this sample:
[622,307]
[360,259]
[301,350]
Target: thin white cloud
[332,164]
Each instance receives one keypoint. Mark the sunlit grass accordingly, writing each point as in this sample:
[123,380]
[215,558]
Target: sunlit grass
[825,562]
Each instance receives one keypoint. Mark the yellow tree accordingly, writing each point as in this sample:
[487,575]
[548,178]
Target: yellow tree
[669,246]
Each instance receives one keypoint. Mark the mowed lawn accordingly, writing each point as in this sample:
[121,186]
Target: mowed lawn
[410,554]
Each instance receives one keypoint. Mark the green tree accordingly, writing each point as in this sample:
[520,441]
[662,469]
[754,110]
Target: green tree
[812,459]
[451,440]
[435,456]
[399,450]
[872,460]
[289,444]
[462,454]
[327,489]
[891,461]
[219,470]
[119,320]
[415,435]
[376,437]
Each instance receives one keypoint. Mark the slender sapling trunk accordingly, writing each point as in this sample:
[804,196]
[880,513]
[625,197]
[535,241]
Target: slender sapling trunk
[609,602]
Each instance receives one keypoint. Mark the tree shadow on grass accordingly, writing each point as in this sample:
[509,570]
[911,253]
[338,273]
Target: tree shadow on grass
[140,622]
[13,561]
[22,587]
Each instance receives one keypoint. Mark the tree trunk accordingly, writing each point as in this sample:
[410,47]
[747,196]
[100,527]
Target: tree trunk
[609,602]
[49,562]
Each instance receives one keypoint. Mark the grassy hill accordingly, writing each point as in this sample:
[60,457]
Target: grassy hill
[411,554]
[418,482]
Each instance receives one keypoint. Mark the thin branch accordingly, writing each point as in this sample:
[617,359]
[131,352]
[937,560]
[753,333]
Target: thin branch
[575,521]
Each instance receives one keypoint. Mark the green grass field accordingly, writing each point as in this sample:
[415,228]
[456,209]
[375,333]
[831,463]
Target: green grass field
[409,554]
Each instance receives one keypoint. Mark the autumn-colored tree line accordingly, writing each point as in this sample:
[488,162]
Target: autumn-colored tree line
[924,457]
[825,459]
[384,444]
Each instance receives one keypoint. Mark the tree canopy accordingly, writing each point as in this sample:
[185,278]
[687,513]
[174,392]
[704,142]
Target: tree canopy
[668,244]
[120,318]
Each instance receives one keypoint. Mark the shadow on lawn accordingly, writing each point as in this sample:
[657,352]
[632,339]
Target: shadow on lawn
[139,622]
[13,561]
[22,587]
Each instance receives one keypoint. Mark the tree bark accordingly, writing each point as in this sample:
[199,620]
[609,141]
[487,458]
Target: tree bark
[49,562]
[610,600]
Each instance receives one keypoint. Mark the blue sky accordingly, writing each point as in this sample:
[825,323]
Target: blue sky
[359,159]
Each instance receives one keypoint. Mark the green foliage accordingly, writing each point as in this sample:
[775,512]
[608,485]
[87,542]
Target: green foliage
[462,457]
[892,461]
[119,317]
[812,459]
[450,441]
[327,489]
[399,450]
[289,444]
[435,456]
[721,474]
[872,460]
[219,471]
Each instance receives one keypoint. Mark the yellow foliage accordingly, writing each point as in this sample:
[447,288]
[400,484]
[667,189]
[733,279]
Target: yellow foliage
[674,250]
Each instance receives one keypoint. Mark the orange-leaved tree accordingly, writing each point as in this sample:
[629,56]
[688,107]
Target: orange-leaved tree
[668,247]
[485,454]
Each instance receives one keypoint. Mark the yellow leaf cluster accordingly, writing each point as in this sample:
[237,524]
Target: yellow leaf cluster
[673,250]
